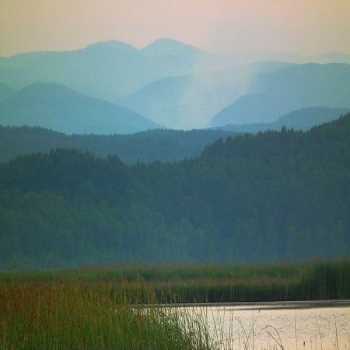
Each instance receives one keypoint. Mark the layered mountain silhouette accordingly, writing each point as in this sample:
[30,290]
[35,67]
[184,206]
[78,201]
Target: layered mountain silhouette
[179,86]
[191,101]
[108,70]
[302,119]
[175,84]
[59,108]
[181,102]
[298,86]
[164,100]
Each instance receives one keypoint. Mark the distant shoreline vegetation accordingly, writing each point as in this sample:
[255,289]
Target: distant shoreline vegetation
[169,284]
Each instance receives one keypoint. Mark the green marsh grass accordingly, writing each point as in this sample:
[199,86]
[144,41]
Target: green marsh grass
[56,315]
[113,307]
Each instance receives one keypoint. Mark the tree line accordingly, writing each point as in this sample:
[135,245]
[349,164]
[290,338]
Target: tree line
[274,196]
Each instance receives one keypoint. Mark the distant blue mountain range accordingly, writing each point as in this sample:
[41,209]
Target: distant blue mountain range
[166,83]
[59,108]
[107,70]
[296,87]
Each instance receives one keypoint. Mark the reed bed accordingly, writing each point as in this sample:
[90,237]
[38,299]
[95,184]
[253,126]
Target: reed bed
[107,308]
[201,284]
[56,315]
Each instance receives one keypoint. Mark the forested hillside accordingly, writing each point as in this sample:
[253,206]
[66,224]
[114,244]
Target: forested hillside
[148,146]
[270,197]
[301,119]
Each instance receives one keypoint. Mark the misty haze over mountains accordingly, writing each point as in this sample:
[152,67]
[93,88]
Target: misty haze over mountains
[286,90]
[167,84]
[94,168]
[108,70]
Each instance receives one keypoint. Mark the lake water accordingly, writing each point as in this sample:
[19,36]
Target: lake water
[276,327]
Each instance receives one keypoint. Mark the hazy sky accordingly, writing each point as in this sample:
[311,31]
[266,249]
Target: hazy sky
[237,26]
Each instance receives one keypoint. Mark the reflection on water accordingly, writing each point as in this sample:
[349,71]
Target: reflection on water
[309,329]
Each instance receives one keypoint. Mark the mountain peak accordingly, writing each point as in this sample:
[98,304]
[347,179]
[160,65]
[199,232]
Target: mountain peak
[46,88]
[168,46]
[167,41]
[110,45]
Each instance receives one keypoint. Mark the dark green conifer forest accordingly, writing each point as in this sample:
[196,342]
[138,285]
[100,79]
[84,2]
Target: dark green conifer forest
[274,196]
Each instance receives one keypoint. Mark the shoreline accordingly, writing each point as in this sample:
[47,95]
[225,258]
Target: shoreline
[270,305]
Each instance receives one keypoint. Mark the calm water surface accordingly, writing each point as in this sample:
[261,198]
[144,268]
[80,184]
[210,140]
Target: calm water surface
[261,327]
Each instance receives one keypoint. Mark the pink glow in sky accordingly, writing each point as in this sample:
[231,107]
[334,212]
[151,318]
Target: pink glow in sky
[248,26]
